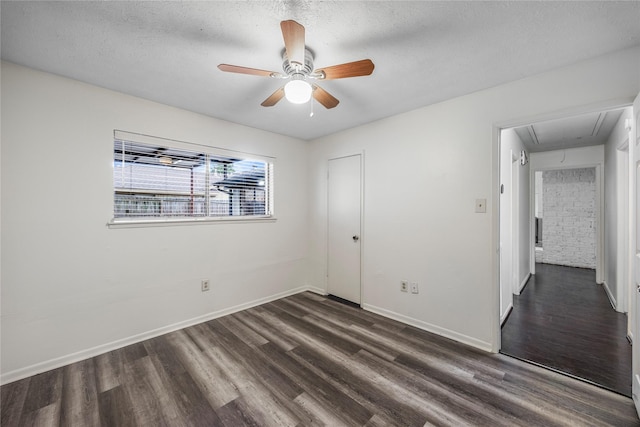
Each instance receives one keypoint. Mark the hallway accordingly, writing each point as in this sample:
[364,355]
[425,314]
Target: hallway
[563,320]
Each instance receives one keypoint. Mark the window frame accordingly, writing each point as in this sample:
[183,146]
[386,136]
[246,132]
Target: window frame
[208,152]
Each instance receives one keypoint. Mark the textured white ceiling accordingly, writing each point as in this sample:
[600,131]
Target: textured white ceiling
[424,52]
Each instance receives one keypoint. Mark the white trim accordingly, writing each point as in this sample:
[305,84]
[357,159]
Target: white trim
[18,374]
[317,290]
[61,361]
[532,219]
[600,273]
[623,285]
[612,299]
[447,333]
[496,333]
[168,222]
[506,314]
[363,239]
[523,283]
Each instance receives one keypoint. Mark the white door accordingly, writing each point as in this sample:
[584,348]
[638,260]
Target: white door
[344,192]
[634,216]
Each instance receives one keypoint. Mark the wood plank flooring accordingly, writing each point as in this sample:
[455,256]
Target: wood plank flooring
[564,320]
[306,360]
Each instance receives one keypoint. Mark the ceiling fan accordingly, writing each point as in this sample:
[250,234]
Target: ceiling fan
[298,69]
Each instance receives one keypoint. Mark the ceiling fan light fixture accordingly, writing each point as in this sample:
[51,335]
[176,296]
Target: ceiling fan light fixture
[297,65]
[297,91]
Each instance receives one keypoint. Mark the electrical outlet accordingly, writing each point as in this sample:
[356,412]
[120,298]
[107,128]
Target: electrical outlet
[205,285]
[404,286]
[414,287]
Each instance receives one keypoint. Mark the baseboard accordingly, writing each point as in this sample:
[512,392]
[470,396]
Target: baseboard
[506,314]
[58,362]
[316,290]
[612,299]
[524,283]
[456,336]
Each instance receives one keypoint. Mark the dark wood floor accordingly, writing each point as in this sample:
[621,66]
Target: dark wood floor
[564,320]
[307,360]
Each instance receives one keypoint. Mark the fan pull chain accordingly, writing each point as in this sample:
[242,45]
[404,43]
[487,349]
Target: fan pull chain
[311,102]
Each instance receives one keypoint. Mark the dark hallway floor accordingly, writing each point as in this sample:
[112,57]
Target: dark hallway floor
[563,320]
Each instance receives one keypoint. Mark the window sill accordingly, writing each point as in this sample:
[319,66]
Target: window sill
[144,223]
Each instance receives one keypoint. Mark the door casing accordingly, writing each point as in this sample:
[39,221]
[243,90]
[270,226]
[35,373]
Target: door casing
[634,247]
[495,204]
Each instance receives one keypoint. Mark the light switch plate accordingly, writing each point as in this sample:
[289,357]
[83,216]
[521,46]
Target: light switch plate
[481,205]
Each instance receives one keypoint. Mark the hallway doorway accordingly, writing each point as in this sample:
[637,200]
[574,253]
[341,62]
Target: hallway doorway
[565,216]
[549,299]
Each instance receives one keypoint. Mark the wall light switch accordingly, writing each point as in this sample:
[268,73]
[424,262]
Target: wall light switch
[481,205]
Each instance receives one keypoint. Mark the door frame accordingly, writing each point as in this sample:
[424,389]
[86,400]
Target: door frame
[599,202]
[362,240]
[634,243]
[623,297]
[495,193]
[515,224]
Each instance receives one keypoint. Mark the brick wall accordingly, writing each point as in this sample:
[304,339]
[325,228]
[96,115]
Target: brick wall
[569,233]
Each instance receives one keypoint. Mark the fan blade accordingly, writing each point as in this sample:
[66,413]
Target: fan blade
[324,97]
[246,70]
[273,98]
[293,35]
[363,67]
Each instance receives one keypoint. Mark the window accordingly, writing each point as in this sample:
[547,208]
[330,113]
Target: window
[158,179]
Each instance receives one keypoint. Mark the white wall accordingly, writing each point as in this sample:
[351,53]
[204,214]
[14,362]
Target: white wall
[435,162]
[72,285]
[615,192]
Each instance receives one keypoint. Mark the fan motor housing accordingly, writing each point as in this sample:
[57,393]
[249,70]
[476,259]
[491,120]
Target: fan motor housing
[291,69]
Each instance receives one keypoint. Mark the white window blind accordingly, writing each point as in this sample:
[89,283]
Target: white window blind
[163,179]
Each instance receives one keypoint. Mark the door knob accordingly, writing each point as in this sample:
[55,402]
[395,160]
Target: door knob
[356,238]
